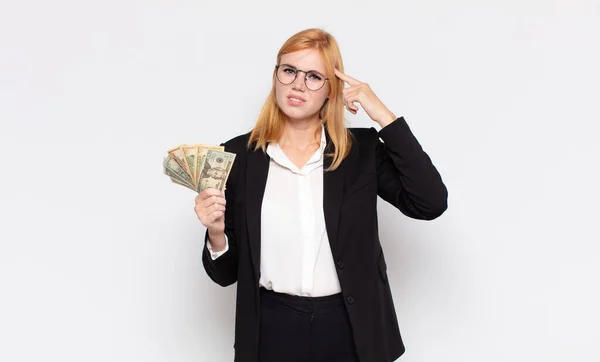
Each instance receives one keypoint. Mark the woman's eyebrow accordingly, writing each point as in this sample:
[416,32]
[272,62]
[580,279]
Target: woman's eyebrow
[310,70]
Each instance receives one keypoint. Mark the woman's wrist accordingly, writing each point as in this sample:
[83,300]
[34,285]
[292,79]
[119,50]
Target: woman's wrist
[391,117]
[217,240]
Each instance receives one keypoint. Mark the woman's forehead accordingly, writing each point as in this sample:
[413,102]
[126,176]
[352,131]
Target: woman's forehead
[307,59]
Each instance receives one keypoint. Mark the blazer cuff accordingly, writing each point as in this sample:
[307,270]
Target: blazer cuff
[215,254]
[398,125]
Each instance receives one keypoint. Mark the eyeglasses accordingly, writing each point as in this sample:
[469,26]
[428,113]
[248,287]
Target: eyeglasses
[286,74]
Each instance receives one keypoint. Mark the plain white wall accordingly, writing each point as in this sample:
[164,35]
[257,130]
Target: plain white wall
[100,254]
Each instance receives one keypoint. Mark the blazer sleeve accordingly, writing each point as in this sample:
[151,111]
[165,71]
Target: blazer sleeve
[223,270]
[406,177]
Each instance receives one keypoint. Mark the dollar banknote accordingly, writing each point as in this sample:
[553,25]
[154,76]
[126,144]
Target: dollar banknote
[174,171]
[201,156]
[215,170]
[190,158]
[198,167]
[178,155]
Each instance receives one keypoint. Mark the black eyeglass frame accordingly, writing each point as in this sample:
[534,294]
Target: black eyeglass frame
[305,76]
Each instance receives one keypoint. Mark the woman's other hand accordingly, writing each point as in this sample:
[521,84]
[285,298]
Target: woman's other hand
[210,209]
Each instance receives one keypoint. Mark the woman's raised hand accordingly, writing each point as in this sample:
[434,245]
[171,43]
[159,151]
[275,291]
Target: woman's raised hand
[362,93]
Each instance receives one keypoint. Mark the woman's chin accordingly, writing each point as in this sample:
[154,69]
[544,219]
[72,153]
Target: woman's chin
[296,115]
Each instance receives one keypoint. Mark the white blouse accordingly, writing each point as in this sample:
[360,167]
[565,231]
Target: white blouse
[296,257]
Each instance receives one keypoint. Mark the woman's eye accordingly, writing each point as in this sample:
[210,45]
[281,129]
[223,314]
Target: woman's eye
[314,77]
[289,70]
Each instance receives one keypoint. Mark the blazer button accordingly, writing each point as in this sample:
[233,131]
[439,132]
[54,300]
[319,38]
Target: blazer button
[340,264]
[349,299]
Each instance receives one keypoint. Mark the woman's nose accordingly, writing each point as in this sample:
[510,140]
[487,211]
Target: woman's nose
[299,81]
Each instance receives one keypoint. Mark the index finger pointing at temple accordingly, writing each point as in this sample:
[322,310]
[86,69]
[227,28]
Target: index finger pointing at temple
[346,78]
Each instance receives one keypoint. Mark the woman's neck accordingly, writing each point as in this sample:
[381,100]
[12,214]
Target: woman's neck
[300,135]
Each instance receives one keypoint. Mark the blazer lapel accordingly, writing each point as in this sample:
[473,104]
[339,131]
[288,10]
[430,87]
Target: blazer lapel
[257,169]
[333,191]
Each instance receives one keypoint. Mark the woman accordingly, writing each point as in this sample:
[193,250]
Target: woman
[297,224]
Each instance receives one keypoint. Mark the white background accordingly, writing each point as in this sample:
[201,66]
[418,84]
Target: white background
[100,254]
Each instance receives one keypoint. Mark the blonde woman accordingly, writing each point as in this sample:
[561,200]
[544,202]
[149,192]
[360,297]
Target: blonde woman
[297,225]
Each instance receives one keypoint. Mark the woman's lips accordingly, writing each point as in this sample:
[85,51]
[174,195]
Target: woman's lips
[295,101]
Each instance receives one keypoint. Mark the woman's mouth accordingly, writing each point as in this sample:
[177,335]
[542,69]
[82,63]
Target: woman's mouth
[295,101]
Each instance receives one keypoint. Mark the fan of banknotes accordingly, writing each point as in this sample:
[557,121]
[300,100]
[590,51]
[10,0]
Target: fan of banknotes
[198,167]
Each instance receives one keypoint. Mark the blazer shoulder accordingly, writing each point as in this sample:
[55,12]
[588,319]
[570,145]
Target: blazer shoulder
[363,135]
[237,144]
[362,132]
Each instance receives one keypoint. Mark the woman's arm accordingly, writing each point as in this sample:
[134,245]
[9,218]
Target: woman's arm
[223,269]
[406,177]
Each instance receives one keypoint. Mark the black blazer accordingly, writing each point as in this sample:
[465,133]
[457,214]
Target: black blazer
[399,171]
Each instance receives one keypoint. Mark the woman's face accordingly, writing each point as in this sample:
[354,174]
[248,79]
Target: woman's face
[310,101]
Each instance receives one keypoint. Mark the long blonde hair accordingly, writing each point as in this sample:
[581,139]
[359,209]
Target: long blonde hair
[269,126]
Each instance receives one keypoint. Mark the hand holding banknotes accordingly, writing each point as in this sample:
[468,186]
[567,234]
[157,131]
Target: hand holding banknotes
[204,169]
[210,209]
